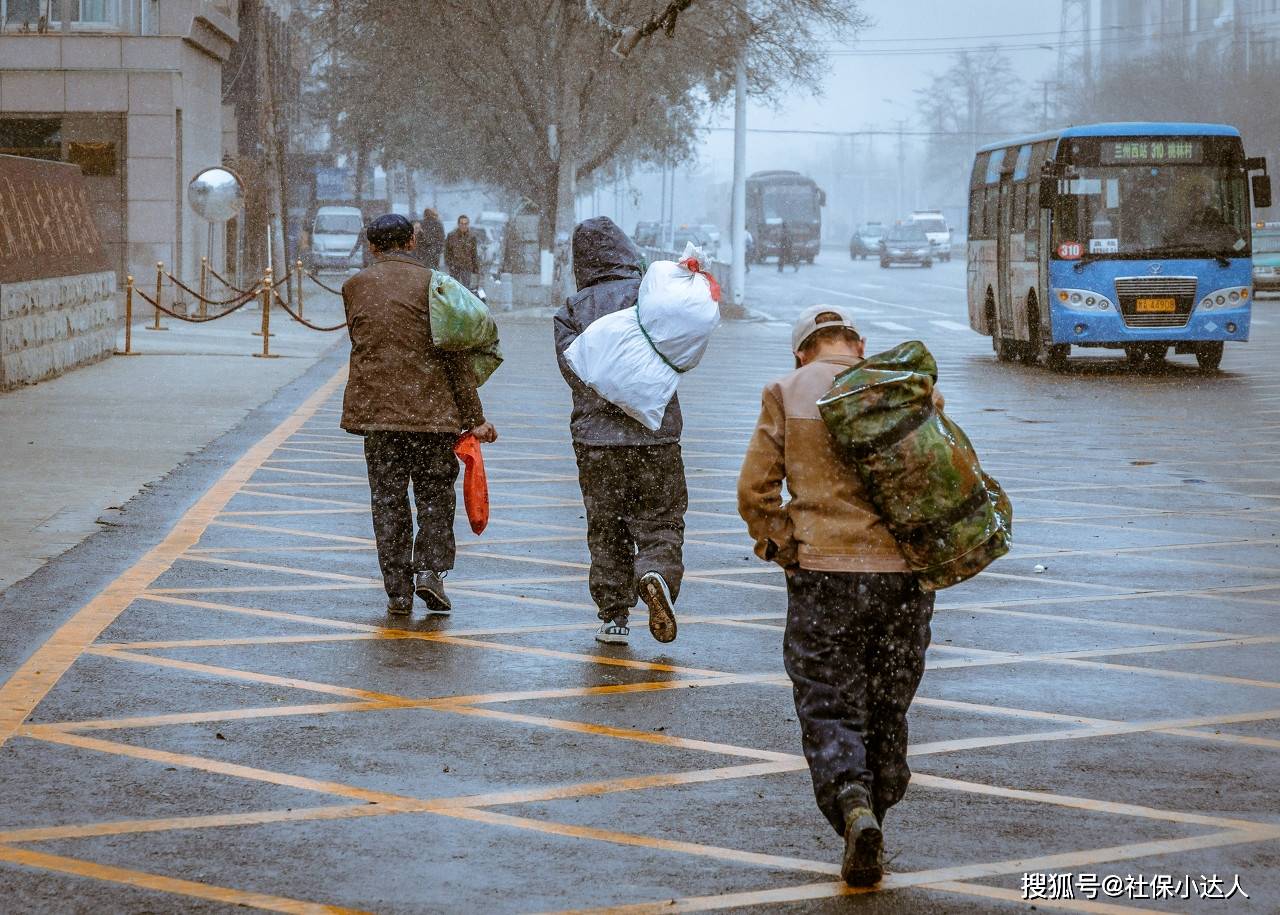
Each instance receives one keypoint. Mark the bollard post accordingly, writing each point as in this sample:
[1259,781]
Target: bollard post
[128,319]
[266,324]
[298,267]
[204,287]
[265,333]
[155,324]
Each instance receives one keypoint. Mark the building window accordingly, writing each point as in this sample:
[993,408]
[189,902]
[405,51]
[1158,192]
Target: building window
[34,138]
[38,15]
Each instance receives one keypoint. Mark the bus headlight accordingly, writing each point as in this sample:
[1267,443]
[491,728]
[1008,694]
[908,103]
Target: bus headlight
[1225,298]
[1083,299]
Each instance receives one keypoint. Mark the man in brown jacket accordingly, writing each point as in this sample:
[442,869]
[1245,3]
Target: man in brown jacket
[462,254]
[411,402]
[857,620]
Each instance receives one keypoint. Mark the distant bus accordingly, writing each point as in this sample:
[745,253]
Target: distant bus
[777,197]
[1130,236]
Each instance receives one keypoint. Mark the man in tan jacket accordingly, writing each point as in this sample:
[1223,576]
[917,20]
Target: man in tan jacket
[411,401]
[857,620]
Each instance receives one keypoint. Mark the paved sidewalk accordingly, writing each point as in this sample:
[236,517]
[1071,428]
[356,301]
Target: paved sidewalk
[78,447]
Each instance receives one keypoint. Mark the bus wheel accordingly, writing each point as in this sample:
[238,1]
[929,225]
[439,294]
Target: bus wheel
[1056,354]
[1209,356]
[1006,349]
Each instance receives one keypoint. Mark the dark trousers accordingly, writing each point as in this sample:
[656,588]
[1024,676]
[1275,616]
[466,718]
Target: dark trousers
[425,459]
[854,650]
[636,498]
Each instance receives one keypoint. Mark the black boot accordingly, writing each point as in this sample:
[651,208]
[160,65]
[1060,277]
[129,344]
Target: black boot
[863,863]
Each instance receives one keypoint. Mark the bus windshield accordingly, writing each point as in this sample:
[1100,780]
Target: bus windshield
[1153,211]
[791,202]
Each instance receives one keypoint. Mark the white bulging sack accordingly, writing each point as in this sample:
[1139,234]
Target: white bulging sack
[634,358]
[614,359]
[680,308]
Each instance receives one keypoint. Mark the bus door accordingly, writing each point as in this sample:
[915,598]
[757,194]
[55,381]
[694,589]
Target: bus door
[1004,226]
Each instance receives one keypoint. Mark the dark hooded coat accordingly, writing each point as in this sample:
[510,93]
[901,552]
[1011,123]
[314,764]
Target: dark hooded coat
[608,268]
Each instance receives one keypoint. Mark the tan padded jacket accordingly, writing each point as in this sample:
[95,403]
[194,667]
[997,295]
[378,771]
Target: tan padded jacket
[828,525]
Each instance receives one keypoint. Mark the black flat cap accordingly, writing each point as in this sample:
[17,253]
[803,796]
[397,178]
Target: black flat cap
[389,231]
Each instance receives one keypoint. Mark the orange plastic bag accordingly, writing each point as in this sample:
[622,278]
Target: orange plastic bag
[475,486]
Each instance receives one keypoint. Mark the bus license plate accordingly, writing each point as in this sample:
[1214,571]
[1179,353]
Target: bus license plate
[1157,306]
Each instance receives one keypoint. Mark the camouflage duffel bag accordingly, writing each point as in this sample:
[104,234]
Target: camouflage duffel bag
[919,469]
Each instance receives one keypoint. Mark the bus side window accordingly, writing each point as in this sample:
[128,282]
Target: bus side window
[992,200]
[1033,220]
[1019,217]
[976,229]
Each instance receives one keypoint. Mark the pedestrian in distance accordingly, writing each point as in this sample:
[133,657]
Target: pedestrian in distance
[857,619]
[787,248]
[411,402]
[428,238]
[632,479]
[462,255]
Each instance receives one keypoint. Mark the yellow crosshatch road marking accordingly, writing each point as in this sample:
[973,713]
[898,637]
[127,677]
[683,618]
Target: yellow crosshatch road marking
[296,501]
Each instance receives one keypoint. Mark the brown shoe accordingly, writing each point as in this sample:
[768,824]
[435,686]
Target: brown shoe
[863,863]
[657,596]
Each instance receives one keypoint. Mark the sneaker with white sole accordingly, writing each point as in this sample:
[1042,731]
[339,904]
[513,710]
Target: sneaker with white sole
[613,633]
[657,597]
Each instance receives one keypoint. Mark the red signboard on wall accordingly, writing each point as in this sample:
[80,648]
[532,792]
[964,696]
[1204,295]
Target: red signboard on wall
[46,223]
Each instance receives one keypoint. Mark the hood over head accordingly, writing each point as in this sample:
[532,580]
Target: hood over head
[602,252]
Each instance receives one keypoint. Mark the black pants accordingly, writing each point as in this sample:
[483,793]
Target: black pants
[636,498]
[395,459]
[854,650]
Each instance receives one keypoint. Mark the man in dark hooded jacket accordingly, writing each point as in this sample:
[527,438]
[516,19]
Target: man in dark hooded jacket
[632,479]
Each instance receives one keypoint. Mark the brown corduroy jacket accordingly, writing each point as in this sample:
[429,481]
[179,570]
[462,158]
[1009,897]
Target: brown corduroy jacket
[399,381]
[829,525]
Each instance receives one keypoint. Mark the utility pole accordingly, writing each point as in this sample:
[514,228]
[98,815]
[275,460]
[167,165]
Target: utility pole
[739,229]
[902,167]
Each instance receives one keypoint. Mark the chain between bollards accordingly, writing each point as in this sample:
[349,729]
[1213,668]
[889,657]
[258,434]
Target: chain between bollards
[155,325]
[266,318]
[128,319]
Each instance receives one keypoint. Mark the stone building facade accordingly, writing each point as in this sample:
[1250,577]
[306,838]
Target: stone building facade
[130,90]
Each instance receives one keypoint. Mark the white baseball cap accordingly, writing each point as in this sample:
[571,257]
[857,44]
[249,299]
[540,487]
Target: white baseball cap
[808,324]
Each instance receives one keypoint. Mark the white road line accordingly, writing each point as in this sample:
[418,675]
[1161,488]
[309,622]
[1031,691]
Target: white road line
[863,298]
[951,325]
[891,326]
[941,286]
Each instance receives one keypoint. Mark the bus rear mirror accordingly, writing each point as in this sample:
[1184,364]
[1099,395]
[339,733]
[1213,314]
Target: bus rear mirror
[1261,191]
[822,197]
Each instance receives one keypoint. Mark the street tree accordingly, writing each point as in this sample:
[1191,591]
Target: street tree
[527,97]
[977,99]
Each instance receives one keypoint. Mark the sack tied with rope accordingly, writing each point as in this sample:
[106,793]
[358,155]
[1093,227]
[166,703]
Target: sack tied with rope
[461,322]
[950,519]
[634,358]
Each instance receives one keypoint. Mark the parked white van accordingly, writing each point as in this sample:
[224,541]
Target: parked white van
[335,238]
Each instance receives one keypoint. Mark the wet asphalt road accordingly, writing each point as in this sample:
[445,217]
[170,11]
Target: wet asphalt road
[228,718]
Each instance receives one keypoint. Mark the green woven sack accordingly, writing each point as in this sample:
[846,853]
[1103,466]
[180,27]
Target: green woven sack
[460,322]
[918,467]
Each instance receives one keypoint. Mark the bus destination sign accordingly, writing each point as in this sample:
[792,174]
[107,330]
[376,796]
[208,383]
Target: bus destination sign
[1152,152]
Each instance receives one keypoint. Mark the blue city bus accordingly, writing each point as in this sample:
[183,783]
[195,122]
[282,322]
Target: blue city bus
[1131,236]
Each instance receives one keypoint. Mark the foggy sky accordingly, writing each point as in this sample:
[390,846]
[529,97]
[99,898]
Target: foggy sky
[852,96]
